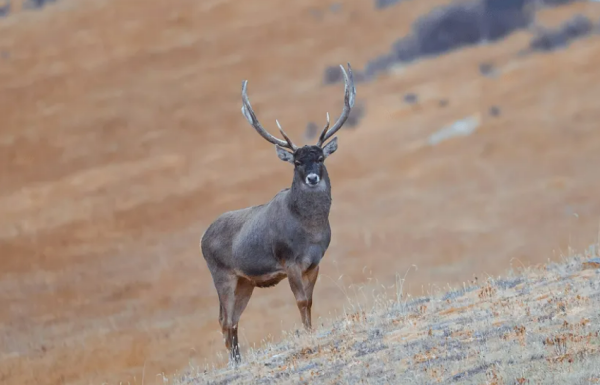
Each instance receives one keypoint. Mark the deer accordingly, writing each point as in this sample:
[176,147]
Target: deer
[287,237]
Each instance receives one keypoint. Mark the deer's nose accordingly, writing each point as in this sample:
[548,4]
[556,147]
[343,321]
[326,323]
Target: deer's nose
[312,179]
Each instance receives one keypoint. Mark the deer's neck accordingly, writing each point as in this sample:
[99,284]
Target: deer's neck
[311,205]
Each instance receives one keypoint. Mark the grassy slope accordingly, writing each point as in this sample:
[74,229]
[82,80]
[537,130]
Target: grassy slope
[536,325]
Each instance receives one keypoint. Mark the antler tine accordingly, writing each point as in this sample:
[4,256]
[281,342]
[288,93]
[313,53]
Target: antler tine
[349,95]
[287,138]
[324,132]
[251,118]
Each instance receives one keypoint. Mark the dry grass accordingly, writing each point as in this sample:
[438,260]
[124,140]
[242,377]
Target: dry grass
[536,325]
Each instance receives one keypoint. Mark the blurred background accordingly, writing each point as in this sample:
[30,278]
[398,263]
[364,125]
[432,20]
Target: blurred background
[474,147]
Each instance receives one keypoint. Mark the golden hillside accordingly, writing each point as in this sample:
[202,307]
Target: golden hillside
[121,139]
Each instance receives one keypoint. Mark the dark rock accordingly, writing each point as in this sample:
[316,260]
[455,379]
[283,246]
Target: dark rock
[494,111]
[411,98]
[487,69]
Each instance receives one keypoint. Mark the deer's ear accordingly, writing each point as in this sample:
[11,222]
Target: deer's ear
[330,147]
[284,155]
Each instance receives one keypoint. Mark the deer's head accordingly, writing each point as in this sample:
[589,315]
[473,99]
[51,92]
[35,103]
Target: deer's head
[309,160]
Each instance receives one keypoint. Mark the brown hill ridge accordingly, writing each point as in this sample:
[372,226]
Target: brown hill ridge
[537,325]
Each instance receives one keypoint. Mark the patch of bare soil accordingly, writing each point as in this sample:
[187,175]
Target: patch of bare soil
[121,139]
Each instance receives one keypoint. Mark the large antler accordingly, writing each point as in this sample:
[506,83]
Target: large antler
[251,117]
[350,93]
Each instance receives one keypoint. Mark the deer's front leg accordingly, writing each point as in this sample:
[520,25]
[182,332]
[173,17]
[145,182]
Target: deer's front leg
[302,285]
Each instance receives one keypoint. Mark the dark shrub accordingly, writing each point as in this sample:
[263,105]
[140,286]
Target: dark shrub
[333,74]
[548,41]
[356,115]
[553,39]
[554,3]
[379,64]
[494,111]
[380,4]
[359,76]
[502,17]
[37,3]
[405,50]
[448,28]
[504,5]
[577,27]
[5,8]
[458,25]
[311,131]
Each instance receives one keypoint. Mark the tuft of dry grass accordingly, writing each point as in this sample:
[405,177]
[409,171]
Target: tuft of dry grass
[536,325]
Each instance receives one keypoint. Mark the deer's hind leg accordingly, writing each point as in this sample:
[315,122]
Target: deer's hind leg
[234,295]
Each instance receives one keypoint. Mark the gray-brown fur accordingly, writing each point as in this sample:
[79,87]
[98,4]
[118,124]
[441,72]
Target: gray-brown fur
[287,237]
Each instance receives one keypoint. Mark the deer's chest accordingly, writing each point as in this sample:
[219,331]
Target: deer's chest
[304,246]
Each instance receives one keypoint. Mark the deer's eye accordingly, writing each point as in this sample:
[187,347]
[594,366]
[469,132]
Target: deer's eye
[321,159]
[297,163]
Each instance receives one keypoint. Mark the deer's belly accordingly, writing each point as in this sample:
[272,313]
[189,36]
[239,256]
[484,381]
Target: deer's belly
[266,280]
